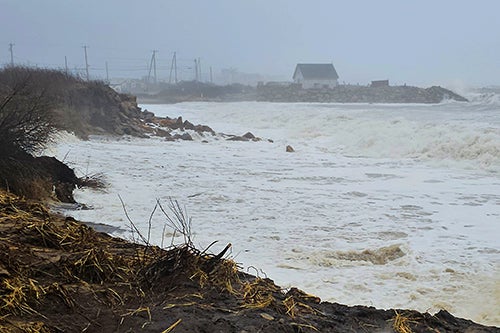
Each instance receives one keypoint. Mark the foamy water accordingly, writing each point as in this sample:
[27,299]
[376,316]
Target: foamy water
[383,205]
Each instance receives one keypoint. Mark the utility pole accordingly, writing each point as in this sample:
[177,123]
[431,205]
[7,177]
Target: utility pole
[199,69]
[11,54]
[107,73]
[152,66]
[196,70]
[211,77]
[66,65]
[173,67]
[86,62]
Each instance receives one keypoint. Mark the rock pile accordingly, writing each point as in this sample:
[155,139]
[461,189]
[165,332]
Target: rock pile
[357,94]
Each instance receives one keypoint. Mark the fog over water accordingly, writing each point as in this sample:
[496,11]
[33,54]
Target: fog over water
[451,43]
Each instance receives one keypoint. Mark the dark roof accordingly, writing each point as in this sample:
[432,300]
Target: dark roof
[317,71]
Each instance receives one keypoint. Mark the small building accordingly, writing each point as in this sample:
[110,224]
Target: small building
[316,76]
[380,83]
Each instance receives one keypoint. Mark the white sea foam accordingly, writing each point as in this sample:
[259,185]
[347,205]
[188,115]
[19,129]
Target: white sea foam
[384,205]
[446,133]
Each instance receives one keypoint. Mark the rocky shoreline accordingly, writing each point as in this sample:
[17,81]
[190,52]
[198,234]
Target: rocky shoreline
[357,94]
[292,93]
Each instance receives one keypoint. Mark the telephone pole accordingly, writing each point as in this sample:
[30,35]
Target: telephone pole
[66,65]
[199,69]
[86,62]
[211,77]
[173,67]
[11,54]
[107,73]
[196,70]
[152,66]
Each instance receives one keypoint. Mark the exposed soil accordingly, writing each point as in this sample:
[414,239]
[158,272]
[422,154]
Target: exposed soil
[38,177]
[58,275]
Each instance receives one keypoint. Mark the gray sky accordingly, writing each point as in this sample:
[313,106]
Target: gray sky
[421,42]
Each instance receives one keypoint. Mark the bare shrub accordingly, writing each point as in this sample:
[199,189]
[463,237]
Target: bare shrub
[26,118]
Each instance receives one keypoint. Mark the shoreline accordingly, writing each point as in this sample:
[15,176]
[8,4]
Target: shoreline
[292,93]
[81,279]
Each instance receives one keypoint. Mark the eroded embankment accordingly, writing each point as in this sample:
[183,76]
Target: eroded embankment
[58,275]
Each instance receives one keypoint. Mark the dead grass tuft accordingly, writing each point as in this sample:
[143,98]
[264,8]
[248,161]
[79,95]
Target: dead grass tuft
[95,181]
[15,208]
[259,293]
[401,323]
[70,235]
[19,295]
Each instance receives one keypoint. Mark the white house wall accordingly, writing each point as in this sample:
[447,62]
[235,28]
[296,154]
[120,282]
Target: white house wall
[298,78]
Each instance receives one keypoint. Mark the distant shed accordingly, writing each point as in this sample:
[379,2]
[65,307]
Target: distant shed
[380,83]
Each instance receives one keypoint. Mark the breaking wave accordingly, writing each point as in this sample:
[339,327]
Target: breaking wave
[485,99]
[449,132]
[403,139]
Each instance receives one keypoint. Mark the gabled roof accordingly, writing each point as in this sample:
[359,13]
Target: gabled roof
[317,71]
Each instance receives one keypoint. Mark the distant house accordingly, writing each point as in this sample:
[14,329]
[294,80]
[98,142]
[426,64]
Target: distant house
[380,83]
[312,76]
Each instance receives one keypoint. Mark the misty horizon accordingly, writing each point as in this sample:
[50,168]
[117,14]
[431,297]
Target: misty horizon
[426,43]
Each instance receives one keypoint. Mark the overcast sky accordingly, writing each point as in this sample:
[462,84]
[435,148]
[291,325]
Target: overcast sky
[421,42]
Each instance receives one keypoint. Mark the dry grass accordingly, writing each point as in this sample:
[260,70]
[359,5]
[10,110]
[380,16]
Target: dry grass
[171,327]
[112,270]
[31,327]
[259,294]
[401,323]
[95,181]
[17,294]
[12,207]
[24,180]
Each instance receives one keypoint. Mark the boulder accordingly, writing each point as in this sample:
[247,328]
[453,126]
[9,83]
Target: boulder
[188,125]
[178,124]
[289,149]
[162,133]
[248,135]
[203,128]
[183,136]
[237,138]
[147,116]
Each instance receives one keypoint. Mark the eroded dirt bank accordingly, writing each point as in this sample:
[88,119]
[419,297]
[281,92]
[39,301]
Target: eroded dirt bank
[58,275]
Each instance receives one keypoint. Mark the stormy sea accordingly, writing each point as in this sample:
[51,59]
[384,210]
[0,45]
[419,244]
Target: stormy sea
[389,205]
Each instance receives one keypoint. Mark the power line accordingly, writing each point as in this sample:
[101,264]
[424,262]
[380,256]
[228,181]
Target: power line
[176,69]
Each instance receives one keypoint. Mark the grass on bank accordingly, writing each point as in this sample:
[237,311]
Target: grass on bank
[46,257]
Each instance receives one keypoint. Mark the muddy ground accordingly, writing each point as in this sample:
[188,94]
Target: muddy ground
[58,275]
